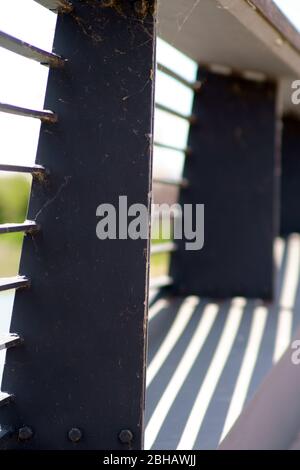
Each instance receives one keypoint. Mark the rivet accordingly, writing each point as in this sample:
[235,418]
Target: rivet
[25,433]
[126,436]
[75,435]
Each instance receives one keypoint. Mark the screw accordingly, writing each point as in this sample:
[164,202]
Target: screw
[125,436]
[75,434]
[25,433]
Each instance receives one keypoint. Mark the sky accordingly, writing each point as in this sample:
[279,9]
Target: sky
[291,8]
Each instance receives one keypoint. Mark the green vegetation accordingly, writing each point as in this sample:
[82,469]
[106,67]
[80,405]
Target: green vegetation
[14,192]
[159,265]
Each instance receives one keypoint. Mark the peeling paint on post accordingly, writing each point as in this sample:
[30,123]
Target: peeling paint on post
[82,365]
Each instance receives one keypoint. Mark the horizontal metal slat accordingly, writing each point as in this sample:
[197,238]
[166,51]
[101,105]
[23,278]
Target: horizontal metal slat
[166,214]
[191,119]
[183,183]
[187,150]
[9,340]
[35,170]
[44,116]
[195,86]
[28,226]
[60,6]
[167,247]
[30,52]
[5,398]
[161,281]
[15,282]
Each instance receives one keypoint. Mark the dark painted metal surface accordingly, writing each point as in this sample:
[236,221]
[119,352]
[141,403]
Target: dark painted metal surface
[30,52]
[232,172]
[290,176]
[84,318]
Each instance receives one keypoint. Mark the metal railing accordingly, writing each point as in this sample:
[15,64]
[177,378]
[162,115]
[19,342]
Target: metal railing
[38,172]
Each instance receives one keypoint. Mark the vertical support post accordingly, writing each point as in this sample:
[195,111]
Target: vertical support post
[290,179]
[83,321]
[232,171]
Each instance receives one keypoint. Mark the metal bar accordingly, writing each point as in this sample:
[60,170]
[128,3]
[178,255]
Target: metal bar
[30,52]
[183,183]
[35,170]
[195,86]
[59,6]
[29,226]
[69,262]
[187,150]
[290,176]
[16,282]
[162,248]
[161,281]
[10,340]
[5,398]
[191,119]
[44,116]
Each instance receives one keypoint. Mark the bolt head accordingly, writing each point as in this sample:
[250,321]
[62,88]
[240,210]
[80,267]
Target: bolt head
[125,436]
[75,434]
[25,433]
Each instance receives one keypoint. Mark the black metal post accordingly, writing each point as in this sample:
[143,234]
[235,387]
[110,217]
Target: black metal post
[232,171]
[290,187]
[78,377]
